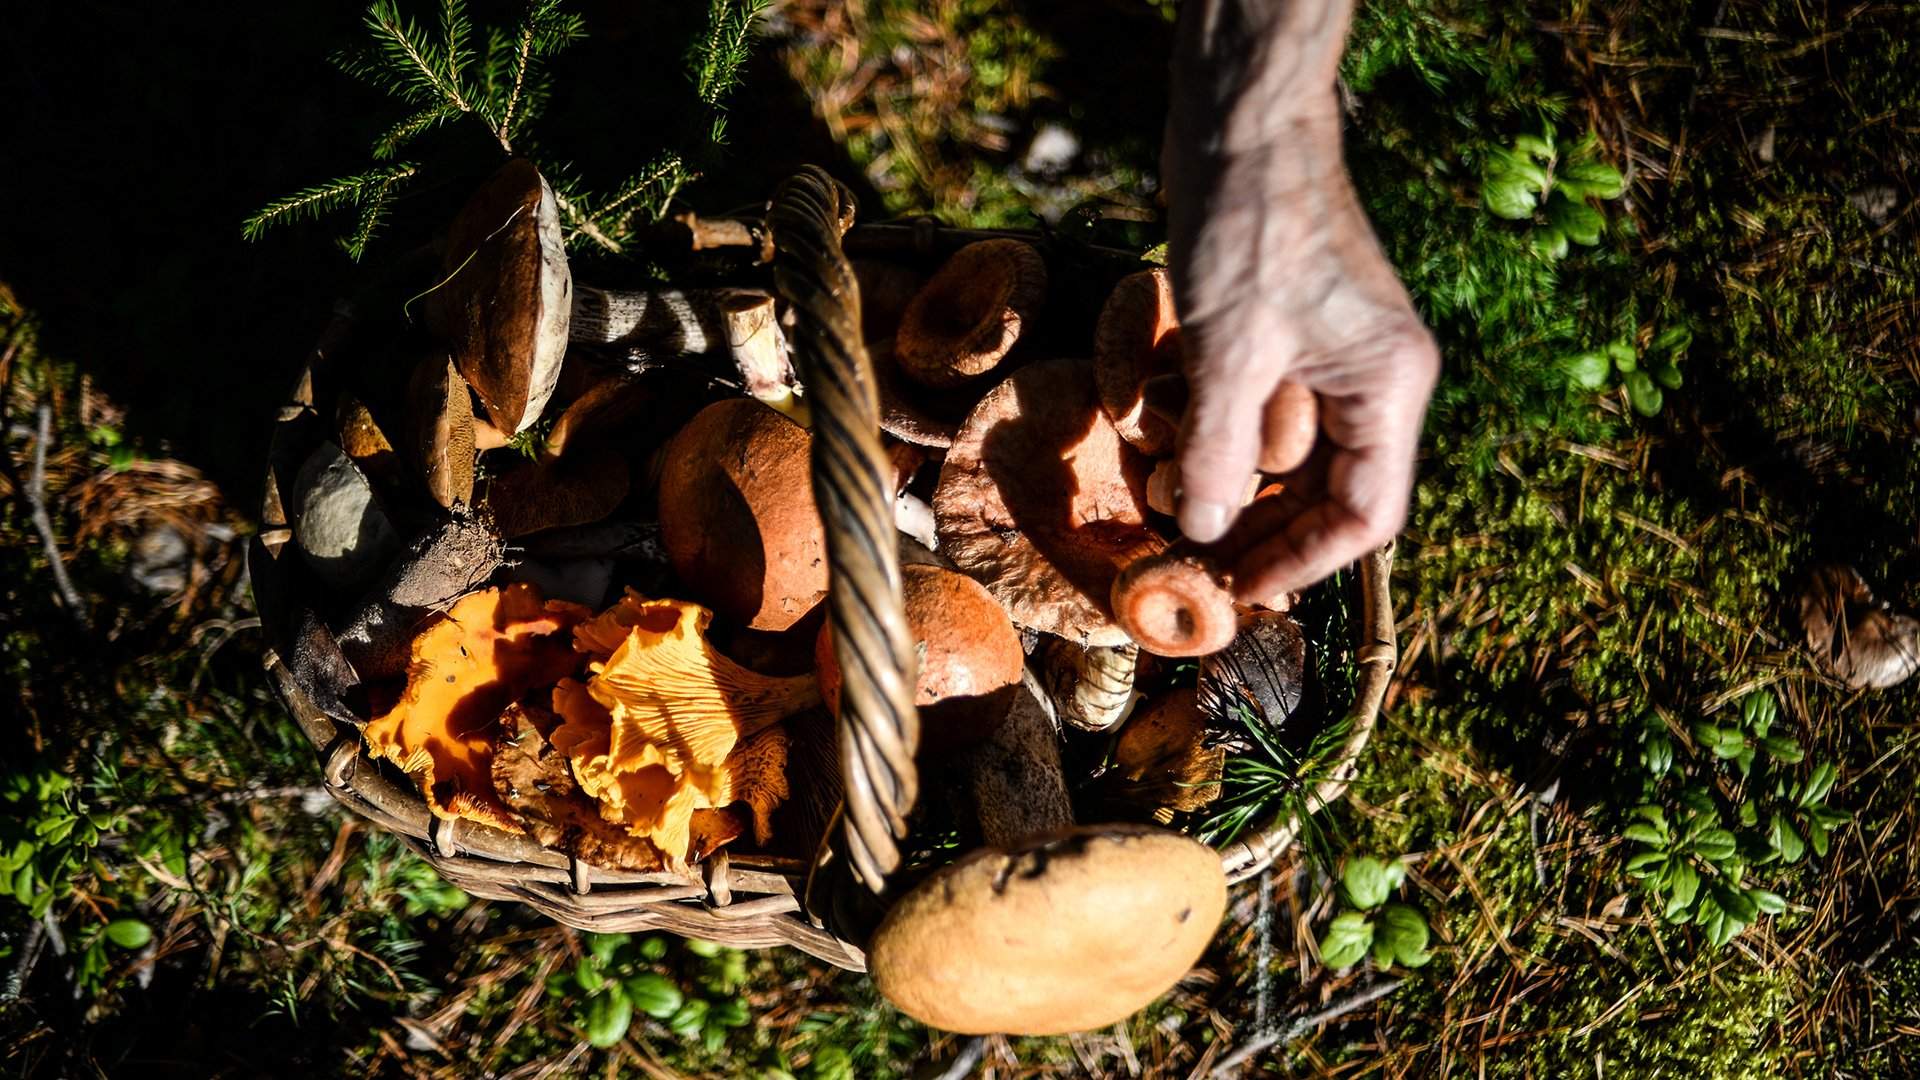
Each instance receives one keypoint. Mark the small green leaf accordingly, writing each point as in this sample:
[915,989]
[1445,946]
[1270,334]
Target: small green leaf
[1402,931]
[1347,939]
[1648,861]
[1595,178]
[1683,885]
[587,974]
[129,933]
[1697,799]
[1759,709]
[1582,223]
[1647,400]
[1587,370]
[608,1017]
[1782,749]
[729,1013]
[1737,904]
[1509,198]
[1657,754]
[603,946]
[704,948]
[17,856]
[1668,376]
[655,994]
[1818,784]
[1715,844]
[1783,836]
[1749,812]
[1367,882]
[1548,242]
[654,949]
[1646,834]
[1817,837]
[1533,146]
[690,1018]
[1769,903]
[1673,339]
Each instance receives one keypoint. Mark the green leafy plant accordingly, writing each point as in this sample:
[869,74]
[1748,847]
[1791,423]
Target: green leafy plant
[47,834]
[1551,183]
[1695,853]
[1394,933]
[1646,376]
[621,978]
[450,72]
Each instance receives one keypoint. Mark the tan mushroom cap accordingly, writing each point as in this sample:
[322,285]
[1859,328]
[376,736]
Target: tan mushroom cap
[1137,339]
[1077,931]
[963,322]
[1176,605]
[737,515]
[972,657]
[1042,502]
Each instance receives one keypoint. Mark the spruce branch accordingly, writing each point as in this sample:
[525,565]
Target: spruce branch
[543,31]
[410,128]
[718,59]
[404,62]
[323,198]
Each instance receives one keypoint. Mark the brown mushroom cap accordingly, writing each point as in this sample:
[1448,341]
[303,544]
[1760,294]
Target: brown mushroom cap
[576,490]
[1288,428]
[1137,339]
[886,288]
[506,302]
[971,663]
[1042,502]
[1077,931]
[737,515]
[963,322]
[440,412]
[908,411]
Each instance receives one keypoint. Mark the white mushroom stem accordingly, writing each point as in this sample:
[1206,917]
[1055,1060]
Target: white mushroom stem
[1013,778]
[912,516]
[735,322]
[1092,686]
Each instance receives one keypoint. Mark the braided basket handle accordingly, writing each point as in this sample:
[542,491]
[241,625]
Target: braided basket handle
[878,726]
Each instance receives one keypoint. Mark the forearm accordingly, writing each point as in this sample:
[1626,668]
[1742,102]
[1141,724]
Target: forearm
[1249,73]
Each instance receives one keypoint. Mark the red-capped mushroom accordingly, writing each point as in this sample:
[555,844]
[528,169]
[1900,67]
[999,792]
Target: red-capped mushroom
[963,322]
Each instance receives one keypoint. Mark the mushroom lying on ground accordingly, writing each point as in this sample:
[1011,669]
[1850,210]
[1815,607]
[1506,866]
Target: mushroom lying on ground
[341,529]
[504,305]
[651,733]
[737,514]
[1042,502]
[970,661]
[492,647]
[965,320]
[1858,638]
[1000,941]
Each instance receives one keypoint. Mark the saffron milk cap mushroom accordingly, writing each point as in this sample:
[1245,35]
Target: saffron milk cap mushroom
[1054,928]
[504,306]
[1041,501]
[737,514]
[1137,339]
[965,320]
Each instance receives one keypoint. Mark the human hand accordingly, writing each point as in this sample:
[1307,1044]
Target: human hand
[1278,276]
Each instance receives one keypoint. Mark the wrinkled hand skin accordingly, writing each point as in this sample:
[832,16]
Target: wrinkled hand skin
[1277,275]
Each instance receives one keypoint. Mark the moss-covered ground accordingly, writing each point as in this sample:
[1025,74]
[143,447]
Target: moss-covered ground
[1578,582]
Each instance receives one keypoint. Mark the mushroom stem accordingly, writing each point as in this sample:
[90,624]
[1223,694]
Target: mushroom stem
[739,323]
[1091,686]
[1013,778]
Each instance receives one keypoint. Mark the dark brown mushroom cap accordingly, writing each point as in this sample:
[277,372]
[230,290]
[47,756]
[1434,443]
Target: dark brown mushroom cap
[737,515]
[1042,502]
[440,412]
[963,322]
[969,664]
[1264,670]
[597,414]
[579,489]
[908,411]
[1076,931]
[1137,339]
[504,307]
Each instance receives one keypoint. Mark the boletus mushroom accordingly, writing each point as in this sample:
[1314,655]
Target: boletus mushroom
[440,414]
[737,514]
[970,659]
[965,320]
[1054,928]
[504,306]
[1041,501]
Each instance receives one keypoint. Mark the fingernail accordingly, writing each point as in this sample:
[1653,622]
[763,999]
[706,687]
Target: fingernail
[1204,522]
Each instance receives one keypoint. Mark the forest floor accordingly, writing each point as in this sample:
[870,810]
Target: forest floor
[1596,594]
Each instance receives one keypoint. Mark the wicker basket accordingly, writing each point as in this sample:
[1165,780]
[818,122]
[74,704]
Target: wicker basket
[748,900]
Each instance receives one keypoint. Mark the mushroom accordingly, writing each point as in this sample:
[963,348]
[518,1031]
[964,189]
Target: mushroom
[1137,339]
[970,657]
[737,514]
[551,495]
[652,732]
[1263,671]
[536,782]
[738,324]
[908,411]
[441,413]
[1163,759]
[1856,637]
[492,647]
[886,288]
[339,525]
[361,438]
[963,322]
[447,561]
[1041,501]
[504,306]
[1001,941]
[1175,603]
[1091,686]
[1288,428]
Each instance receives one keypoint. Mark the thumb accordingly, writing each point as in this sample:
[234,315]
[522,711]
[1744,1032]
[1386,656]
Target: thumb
[1220,443]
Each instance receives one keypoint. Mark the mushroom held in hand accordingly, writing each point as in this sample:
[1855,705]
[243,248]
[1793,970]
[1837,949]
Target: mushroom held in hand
[1004,940]
[737,514]
[1288,428]
[970,664]
[1175,603]
[503,309]
[963,322]
[1042,502]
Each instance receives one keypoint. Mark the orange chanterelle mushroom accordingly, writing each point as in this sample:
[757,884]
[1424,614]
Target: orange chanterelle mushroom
[666,725]
[494,646]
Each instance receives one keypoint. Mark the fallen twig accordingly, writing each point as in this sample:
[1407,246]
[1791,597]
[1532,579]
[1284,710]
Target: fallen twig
[43,522]
[1306,1023]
